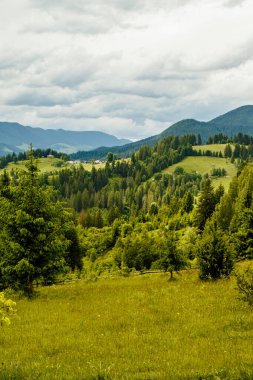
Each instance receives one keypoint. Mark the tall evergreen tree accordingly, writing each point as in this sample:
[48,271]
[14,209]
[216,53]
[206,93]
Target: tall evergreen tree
[32,237]
[215,253]
[206,205]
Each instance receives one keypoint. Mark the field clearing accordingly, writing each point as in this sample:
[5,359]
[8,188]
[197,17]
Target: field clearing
[48,165]
[203,165]
[216,148]
[89,166]
[44,165]
[141,327]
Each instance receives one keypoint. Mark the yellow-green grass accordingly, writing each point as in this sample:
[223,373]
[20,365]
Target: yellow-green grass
[48,165]
[142,327]
[203,165]
[44,165]
[216,148]
[89,166]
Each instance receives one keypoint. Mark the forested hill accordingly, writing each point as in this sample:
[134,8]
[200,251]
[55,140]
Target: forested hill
[235,121]
[239,120]
[129,215]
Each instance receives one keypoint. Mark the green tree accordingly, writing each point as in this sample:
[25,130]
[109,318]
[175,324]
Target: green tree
[228,151]
[153,210]
[110,157]
[32,237]
[171,258]
[215,253]
[206,205]
[187,202]
[245,285]
[74,252]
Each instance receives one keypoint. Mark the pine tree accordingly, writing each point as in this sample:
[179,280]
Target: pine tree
[32,237]
[187,202]
[215,253]
[206,205]
[171,257]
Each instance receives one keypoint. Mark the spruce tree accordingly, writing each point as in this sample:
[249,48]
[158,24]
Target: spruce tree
[32,237]
[206,205]
[215,253]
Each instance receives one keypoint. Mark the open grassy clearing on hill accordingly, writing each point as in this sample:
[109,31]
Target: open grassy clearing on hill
[48,165]
[141,327]
[203,165]
[216,148]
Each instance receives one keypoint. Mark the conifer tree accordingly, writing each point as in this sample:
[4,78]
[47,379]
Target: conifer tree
[215,253]
[206,205]
[32,235]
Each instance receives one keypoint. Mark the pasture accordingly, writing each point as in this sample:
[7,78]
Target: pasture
[138,327]
[204,165]
[216,148]
[49,165]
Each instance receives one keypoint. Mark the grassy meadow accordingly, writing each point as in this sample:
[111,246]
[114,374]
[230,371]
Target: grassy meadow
[138,327]
[203,165]
[48,165]
[216,148]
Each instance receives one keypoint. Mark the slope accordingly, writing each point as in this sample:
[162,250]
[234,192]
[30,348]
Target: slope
[19,137]
[239,120]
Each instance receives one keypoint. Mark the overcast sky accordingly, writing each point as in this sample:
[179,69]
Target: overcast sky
[127,67]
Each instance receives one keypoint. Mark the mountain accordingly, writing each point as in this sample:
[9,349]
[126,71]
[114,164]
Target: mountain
[16,137]
[231,123]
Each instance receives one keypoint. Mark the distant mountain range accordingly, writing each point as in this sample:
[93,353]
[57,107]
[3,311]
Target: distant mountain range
[231,123]
[15,137]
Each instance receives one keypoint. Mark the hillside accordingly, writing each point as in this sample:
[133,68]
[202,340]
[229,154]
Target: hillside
[16,137]
[128,268]
[231,123]
[47,164]
[204,165]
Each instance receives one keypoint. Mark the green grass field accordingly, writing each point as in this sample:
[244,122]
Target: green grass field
[203,165]
[48,165]
[89,166]
[141,327]
[217,148]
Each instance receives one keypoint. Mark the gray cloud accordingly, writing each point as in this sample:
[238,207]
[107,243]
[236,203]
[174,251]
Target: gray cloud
[233,3]
[128,67]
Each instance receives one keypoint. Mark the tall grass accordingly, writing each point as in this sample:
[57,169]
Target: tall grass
[141,327]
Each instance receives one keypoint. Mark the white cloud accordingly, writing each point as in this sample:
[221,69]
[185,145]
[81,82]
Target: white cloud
[128,67]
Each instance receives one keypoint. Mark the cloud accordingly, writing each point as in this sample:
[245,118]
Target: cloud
[127,67]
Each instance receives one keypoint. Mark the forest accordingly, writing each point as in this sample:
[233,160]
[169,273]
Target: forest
[128,216]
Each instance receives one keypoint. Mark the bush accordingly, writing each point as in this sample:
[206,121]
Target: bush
[6,309]
[245,285]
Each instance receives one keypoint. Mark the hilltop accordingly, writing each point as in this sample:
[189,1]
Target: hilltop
[239,120]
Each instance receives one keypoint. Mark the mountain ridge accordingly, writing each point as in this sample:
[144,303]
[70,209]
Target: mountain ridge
[18,136]
[94,145]
[232,122]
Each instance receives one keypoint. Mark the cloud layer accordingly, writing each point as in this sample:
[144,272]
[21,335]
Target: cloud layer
[127,67]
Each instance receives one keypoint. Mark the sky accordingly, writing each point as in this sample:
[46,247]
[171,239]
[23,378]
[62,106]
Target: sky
[130,68]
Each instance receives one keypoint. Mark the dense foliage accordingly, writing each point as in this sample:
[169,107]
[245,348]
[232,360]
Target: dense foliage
[36,233]
[131,215]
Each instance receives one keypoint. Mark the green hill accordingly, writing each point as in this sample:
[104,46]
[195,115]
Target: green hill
[204,165]
[239,120]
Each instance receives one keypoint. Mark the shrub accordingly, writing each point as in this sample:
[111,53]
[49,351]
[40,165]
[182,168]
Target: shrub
[6,309]
[245,285]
